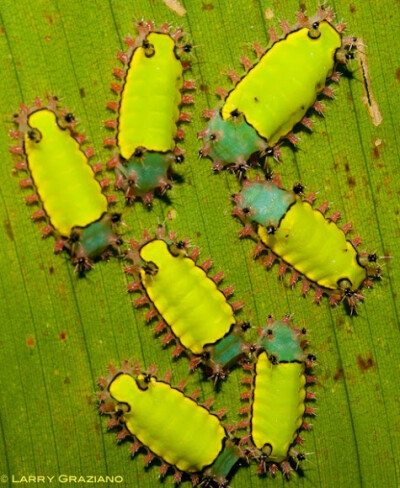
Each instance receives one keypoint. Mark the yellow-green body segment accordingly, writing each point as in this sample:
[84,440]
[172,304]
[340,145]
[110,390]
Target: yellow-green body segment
[277,92]
[149,107]
[65,182]
[278,406]
[170,424]
[315,247]
[187,299]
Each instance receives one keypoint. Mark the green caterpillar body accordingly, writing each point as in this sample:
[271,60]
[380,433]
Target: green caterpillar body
[148,112]
[187,303]
[185,435]
[276,92]
[71,199]
[288,228]
[278,395]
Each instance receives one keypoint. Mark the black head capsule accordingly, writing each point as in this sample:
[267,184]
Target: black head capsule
[69,118]
[312,358]
[139,152]
[269,175]
[269,332]
[187,48]
[149,50]
[180,245]
[269,152]
[298,189]
[314,32]
[348,292]
[34,135]
[119,242]
[273,359]
[349,56]
[179,158]
[300,456]
[246,210]
[372,258]
[245,326]
[304,330]
[271,229]
[212,137]
[150,269]
[74,237]
[115,218]
[235,113]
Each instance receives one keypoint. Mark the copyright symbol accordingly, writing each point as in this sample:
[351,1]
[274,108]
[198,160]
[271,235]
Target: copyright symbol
[3,478]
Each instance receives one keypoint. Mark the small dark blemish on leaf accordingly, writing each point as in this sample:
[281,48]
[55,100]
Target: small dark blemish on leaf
[82,92]
[397,70]
[63,335]
[338,375]
[2,29]
[204,88]
[51,270]
[9,231]
[347,167]
[365,364]
[30,342]
[67,381]
[49,19]
[351,181]
[352,8]
[207,6]
[375,152]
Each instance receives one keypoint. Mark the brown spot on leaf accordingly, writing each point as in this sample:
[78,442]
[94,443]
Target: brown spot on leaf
[9,231]
[62,289]
[365,364]
[397,70]
[338,375]
[82,92]
[352,8]
[204,88]
[63,335]
[49,19]
[207,6]
[67,381]
[30,342]
[89,400]
[2,29]
[51,270]
[351,181]
[347,167]
[340,322]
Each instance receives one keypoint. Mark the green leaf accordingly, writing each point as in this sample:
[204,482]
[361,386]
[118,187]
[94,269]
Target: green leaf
[48,415]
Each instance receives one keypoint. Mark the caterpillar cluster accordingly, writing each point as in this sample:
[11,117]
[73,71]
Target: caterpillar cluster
[256,116]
